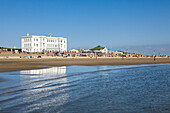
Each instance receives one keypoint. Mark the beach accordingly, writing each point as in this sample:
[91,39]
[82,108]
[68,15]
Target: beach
[7,65]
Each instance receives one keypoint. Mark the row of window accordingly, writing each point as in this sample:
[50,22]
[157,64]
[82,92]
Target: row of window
[27,40]
[48,45]
[56,46]
[30,39]
[29,50]
[56,41]
[27,45]
[36,39]
[38,50]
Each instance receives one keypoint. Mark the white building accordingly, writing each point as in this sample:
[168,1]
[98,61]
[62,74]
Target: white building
[43,43]
[104,50]
[87,51]
[74,50]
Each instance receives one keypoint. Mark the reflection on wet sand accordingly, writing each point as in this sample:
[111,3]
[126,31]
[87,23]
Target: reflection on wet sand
[49,71]
[43,90]
[36,94]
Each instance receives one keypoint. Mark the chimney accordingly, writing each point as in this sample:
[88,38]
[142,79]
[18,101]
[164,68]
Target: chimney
[27,34]
[50,34]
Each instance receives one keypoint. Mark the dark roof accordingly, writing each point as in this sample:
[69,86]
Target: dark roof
[97,48]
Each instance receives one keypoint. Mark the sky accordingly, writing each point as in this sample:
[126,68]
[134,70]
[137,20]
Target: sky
[116,24]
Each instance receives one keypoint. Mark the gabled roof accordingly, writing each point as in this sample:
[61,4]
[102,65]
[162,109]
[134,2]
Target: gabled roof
[97,48]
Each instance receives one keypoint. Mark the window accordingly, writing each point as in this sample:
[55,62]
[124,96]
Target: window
[64,42]
[61,41]
[37,45]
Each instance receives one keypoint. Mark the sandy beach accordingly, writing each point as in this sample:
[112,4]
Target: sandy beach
[7,65]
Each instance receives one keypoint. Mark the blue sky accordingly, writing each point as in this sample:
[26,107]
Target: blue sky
[88,23]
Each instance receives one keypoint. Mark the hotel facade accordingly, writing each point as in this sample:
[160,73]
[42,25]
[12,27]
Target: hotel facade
[43,43]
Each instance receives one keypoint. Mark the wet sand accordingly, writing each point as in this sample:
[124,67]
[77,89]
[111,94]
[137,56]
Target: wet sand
[7,65]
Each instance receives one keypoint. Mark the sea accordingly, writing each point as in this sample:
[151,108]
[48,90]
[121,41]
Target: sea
[141,88]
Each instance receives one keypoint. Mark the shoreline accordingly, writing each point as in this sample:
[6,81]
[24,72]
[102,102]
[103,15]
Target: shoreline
[8,65]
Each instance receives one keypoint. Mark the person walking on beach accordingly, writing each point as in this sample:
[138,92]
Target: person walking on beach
[154,58]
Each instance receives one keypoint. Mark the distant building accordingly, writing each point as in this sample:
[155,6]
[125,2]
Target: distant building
[117,52]
[86,51]
[100,49]
[43,43]
[74,51]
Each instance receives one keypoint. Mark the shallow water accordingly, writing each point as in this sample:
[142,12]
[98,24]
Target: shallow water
[118,89]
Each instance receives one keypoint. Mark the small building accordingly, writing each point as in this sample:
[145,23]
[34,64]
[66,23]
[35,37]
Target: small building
[86,51]
[100,49]
[119,52]
[74,51]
